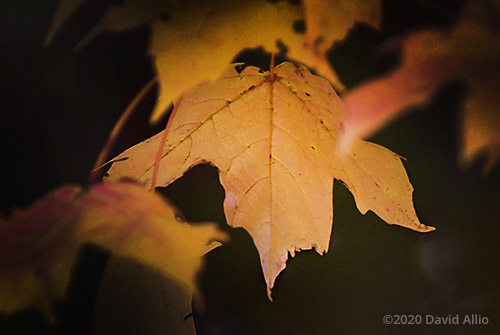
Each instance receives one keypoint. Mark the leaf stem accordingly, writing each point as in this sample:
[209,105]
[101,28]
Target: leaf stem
[271,69]
[118,127]
[156,166]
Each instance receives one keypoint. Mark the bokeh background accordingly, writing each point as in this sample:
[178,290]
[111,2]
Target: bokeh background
[58,107]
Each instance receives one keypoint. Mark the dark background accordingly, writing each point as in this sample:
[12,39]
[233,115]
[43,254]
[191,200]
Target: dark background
[58,107]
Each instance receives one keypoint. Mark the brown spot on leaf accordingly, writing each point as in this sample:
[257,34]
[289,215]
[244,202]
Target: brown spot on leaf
[299,26]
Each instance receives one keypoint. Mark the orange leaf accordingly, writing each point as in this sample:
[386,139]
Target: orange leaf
[275,145]
[470,52]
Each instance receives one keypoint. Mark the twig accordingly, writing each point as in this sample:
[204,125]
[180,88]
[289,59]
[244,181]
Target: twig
[117,128]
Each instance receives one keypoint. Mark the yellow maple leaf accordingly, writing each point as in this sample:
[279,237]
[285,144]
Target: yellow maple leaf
[274,140]
[220,29]
[200,38]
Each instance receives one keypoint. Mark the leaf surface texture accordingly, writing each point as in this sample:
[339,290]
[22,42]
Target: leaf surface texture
[275,145]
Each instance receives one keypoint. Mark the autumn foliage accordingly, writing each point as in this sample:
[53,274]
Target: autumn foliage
[278,136]
[275,144]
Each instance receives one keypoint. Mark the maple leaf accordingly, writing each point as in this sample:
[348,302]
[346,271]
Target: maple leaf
[470,52]
[179,44]
[274,139]
[38,245]
[137,299]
